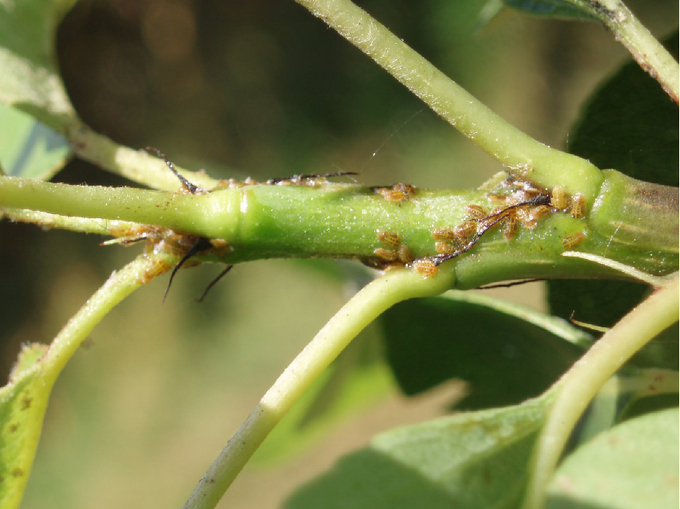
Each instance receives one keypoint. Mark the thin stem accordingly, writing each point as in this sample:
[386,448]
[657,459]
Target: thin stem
[353,317]
[119,285]
[524,156]
[135,165]
[35,382]
[581,383]
[646,50]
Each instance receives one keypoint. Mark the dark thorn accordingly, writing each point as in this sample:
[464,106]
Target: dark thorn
[508,285]
[312,176]
[201,245]
[192,188]
[214,282]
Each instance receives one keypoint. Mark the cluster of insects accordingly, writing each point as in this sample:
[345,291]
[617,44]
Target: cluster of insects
[513,203]
[398,193]
[516,203]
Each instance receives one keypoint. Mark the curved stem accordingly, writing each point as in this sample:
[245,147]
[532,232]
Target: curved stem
[521,153]
[582,382]
[644,47]
[353,317]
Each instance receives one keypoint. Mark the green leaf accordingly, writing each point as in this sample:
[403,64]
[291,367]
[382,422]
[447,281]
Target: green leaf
[562,9]
[29,80]
[28,148]
[473,460]
[630,125]
[23,402]
[632,466]
[506,358]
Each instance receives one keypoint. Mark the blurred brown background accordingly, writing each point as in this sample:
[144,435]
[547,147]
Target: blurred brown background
[257,88]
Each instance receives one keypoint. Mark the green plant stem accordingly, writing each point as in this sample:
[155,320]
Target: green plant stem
[582,382]
[35,383]
[523,155]
[341,221]
[644,47]
[119,285]
[136,165]
[353,317]
[76,224]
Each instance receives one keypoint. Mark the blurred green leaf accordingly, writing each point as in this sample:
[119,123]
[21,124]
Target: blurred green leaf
[22,407]
[551,9]
[506,358]
[632,466]
[29,80]
[28,148]
[467,461]
[631,125]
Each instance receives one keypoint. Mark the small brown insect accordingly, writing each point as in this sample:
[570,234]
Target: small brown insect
[476,211]
[444,247]
[398,193]
[509,226]
[424,266]
[526,218]
[404,254]
[388,238]
[159,266]
[578,205]
[538,211]
[443,233]
[465,229]
[573,240]
[388,255]
[558,199]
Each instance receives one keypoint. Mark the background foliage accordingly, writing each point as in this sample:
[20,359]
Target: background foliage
[253,88]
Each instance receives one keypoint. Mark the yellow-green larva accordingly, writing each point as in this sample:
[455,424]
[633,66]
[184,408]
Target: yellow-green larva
[443,233]
[404,254]
[509,226]
[578,205]
[444,247]
[475,211]
[424,266]
[558,198]
[465,229]
[388,238]
[387,255]
[573,240]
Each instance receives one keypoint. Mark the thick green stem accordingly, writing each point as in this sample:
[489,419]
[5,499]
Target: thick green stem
[524,156]
[361,310]
[581,383]
[343,221]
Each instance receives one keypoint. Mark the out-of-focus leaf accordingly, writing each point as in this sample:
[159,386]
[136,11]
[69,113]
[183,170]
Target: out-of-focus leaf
[506,359]
[632,466]
[551,9]
[28,148]
[630,125]
[29,80]
[473,460]
[22,406]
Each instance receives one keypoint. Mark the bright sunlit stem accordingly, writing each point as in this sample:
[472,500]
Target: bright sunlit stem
[353,317]
[521,153]
[580,384]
